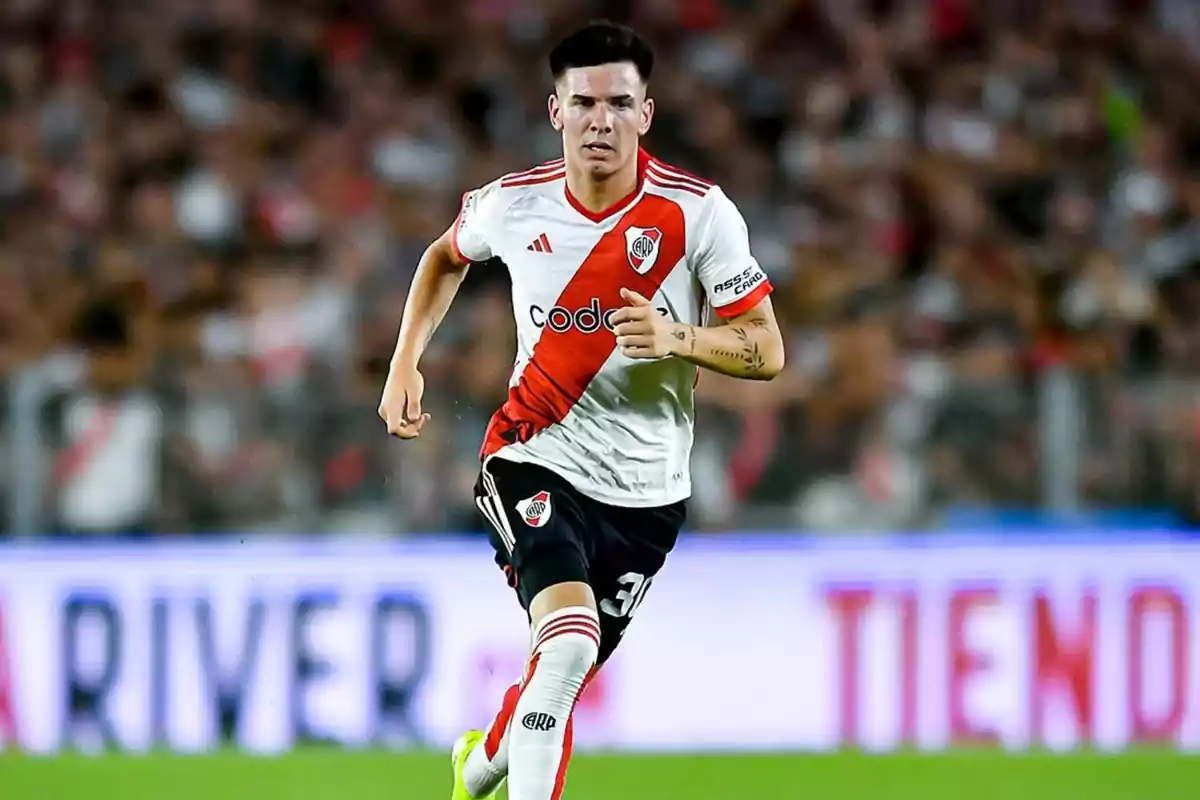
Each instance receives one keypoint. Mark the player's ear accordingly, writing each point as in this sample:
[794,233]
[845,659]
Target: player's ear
[647,116]
[554,108]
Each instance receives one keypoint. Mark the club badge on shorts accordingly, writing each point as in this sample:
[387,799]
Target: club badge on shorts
[641,245]
[535,510]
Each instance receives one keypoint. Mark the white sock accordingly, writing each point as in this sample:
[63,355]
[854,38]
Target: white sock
[566,644]
[487,764]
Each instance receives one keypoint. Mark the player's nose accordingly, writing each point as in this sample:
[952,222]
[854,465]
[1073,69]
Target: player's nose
[602,120]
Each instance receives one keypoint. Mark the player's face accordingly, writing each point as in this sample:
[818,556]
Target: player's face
[602,111]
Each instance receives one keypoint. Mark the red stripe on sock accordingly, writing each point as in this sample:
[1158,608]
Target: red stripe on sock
[529,670]
[574,624]
[503,719]
[582,630]
[491,745]
[560,780]
[569,619]
[561,624]
[574,619]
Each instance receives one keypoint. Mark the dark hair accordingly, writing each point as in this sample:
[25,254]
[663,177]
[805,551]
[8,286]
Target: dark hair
[103,324]
[602,43]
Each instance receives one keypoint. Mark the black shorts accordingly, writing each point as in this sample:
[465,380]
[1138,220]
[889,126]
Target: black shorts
[546,532]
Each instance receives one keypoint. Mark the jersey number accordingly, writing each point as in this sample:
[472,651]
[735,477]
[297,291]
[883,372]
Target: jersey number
[633,590]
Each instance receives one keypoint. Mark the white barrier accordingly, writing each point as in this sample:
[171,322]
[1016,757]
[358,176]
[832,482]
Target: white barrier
[756,643]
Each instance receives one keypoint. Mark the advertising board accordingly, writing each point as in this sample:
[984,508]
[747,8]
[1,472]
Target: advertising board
[742,643]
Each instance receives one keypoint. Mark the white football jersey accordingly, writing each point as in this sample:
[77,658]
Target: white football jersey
[618,429]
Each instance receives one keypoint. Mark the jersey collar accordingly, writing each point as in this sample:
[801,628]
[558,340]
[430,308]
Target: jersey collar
[643,158]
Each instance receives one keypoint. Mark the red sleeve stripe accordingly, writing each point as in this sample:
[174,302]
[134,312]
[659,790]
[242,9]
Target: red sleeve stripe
[675,174]
[744,304]
[665,184]
[549,166]
[554,163]
[533,180]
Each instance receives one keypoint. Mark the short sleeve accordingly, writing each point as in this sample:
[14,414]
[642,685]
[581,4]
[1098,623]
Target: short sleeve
[732,278]
[478,218]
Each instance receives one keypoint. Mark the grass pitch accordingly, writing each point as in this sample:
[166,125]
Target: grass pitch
[338,775]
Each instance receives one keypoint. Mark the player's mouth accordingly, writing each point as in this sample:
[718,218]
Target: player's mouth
[599,147]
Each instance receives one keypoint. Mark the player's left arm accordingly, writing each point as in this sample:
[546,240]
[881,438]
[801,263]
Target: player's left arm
[748,344]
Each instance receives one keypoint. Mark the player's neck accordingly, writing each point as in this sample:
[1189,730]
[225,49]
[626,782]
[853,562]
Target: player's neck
[597,196]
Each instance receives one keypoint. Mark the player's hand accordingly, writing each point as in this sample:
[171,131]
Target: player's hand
[400,406]
[641,331]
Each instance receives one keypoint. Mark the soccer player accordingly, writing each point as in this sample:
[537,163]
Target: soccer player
[616,259]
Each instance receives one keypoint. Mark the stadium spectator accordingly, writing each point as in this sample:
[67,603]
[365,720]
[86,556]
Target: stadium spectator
[960,203]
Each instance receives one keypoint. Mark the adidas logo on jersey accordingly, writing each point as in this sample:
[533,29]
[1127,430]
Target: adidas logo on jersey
[535,510]
[540,245]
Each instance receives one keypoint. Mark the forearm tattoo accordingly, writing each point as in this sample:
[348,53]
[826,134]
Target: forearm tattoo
[748,360]
[748,355]
[688,335]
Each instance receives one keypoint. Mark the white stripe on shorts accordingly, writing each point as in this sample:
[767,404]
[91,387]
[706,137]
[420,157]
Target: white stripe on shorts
[492,507]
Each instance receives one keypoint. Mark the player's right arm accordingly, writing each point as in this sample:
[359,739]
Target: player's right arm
[440,272]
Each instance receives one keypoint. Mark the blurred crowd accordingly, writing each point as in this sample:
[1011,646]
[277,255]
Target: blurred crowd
[982,220]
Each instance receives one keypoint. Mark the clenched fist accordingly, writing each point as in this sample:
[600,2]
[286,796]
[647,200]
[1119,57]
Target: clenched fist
[642,332]
[400,406]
